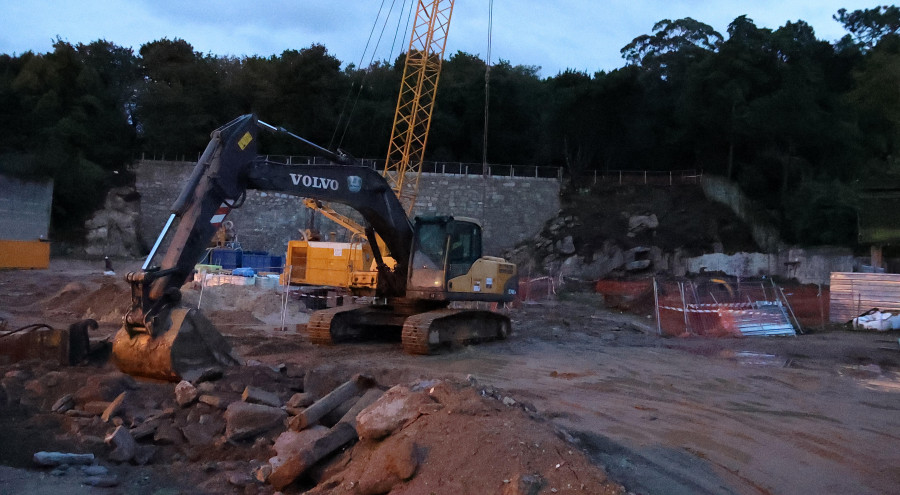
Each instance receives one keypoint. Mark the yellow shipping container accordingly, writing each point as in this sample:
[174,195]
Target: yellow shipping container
[24,254]
[324,263]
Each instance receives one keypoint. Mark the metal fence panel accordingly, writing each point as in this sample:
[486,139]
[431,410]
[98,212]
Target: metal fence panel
[24,209]
[723,309]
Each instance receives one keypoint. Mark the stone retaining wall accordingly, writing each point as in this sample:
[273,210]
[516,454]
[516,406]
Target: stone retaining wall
[511,209]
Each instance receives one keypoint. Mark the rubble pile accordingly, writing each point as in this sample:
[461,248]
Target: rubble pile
[261,429]
[630,231]
[114,229]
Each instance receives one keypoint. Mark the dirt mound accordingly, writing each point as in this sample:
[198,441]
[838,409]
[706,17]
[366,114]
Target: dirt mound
[463,439]
[614,231]
[686,219]
[105,302]
[235,305]
[463,442]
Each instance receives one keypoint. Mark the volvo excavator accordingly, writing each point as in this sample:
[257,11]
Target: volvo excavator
[438,262]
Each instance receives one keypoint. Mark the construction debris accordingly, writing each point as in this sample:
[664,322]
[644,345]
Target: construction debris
[123,443]
[244,420]
[150,423]
[258,396]
[185,393]
[59,458]
[323,406]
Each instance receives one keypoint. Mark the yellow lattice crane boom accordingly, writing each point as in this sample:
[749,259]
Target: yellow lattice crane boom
[412,122]
[415,103]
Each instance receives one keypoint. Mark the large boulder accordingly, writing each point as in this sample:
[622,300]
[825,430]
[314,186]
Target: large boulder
[123,443]
[185,393]
[244,420]
[398,406]
[641,223]
[113,230]
[290,443]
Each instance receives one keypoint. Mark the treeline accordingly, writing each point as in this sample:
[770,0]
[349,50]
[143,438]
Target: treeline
[794,119]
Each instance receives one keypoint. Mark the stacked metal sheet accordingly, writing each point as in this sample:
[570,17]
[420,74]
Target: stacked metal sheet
[763,318]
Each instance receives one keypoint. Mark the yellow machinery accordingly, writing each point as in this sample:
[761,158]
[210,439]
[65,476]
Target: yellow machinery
[415,103]
[438,262]
[24,254]
[406,149]
[336,264]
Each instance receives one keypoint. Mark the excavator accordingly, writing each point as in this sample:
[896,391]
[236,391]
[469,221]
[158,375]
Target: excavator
[438,263]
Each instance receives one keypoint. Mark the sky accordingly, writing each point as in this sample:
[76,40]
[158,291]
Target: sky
[584,35]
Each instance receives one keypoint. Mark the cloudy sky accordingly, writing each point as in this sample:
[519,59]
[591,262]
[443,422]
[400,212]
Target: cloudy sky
[579,34]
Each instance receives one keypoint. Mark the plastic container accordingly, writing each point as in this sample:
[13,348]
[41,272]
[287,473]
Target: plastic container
[276,264]
[228,259]
[244,272]
[259,262]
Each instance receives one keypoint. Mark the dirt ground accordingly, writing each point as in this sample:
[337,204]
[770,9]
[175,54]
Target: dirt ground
[813,414]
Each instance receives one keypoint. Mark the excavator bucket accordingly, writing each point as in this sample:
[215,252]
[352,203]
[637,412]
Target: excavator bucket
[191,345]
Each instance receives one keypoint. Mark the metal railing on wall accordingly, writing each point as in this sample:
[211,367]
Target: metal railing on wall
[647,177]
[443,168]
[604,177]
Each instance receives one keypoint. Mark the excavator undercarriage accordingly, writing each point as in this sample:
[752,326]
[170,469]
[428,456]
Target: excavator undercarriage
[423,329]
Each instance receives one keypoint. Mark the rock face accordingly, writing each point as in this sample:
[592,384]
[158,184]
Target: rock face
[596,233]
[113,231]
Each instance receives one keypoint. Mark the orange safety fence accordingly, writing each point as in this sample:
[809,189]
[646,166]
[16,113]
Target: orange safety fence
[719,307]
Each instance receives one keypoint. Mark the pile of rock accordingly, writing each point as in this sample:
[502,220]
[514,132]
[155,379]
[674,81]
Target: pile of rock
[256,429]
[567,258]
[114,229]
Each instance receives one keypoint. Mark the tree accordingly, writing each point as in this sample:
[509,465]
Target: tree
[178,100]
[308,87]
[877,103]
[869,26]
[672,46]
[457,124]
[515,114]
[713,108]
[70,123]
[367,111]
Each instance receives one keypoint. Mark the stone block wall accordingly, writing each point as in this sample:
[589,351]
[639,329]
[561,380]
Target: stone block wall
[511,209]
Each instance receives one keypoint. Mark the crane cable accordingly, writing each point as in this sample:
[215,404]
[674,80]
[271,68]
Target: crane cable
[487,95]
[366,72]
[487,86]
[353,84]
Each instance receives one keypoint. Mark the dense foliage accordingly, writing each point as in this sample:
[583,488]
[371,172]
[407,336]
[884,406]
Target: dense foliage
[793,119]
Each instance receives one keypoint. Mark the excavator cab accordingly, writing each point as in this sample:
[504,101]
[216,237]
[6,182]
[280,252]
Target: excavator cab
[447,263]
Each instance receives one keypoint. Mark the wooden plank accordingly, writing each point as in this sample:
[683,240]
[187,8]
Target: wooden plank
[853,293]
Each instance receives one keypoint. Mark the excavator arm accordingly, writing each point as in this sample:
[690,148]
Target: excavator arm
[161,338]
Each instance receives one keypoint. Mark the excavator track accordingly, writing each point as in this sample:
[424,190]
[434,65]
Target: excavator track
[425,333]
[321,322]
[354,323]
